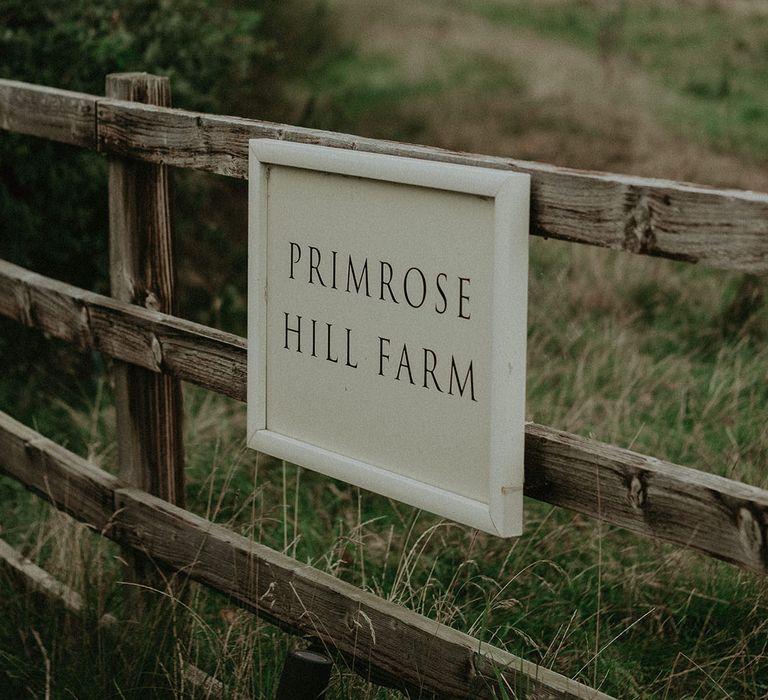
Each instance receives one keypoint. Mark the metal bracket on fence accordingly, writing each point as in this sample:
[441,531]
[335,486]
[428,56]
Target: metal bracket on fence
[305,675]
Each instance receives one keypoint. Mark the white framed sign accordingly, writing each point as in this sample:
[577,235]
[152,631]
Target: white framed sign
[387,325]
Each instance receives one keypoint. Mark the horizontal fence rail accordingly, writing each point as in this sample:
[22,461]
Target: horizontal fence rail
[724,229]
[383,641]
[720,517]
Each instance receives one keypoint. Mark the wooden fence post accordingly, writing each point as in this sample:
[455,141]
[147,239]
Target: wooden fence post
[148,404]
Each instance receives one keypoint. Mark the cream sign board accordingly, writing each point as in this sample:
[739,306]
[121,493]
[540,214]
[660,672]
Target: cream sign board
[387,325]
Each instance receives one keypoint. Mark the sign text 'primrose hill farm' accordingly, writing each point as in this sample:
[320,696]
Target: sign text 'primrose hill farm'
[387,325]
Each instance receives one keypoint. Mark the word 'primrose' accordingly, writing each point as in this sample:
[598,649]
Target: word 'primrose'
[379,280]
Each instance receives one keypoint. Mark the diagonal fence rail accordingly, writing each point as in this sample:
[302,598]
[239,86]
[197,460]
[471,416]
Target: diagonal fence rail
[720,517]
[382,641]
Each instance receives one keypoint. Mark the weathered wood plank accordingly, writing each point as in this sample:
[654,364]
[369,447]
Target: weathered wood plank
[59,115]
[56,474]
[720,517]
[718,228]
[381,639]
[189,351]
[148,405]
[52,307]
[406,649]
[209,687]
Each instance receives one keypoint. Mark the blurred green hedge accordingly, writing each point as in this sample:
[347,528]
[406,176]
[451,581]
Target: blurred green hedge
[241,57]
[225,56]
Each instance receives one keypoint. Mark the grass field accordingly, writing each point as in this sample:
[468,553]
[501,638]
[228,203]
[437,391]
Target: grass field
[663,357]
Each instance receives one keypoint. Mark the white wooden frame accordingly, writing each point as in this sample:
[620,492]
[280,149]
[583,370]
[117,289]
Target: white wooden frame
[502,514]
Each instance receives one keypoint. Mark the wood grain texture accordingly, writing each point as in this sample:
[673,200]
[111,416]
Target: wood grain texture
[58,115]
[381,640]
[148,405]
[718,228]
[56,474]
[725,229]
[149,339]
[410,651]
[720,517]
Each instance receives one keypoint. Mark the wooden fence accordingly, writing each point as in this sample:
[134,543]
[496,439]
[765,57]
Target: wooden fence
[141,508]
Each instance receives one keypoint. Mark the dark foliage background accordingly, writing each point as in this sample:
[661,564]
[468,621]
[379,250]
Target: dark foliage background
[236,57]
[243,57]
